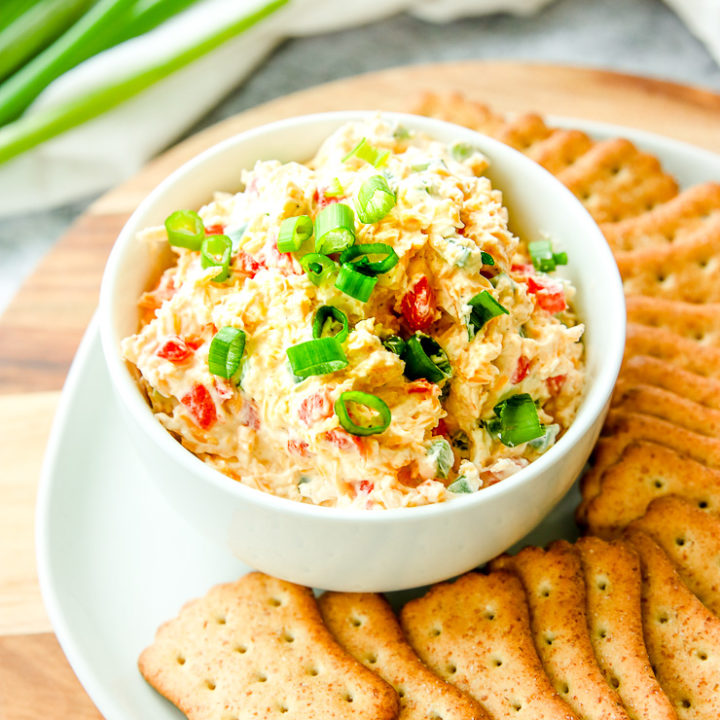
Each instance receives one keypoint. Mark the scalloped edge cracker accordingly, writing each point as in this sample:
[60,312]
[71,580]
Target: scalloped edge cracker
[456,108]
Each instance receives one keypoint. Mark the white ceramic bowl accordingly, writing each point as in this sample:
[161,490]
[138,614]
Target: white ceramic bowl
[353,549]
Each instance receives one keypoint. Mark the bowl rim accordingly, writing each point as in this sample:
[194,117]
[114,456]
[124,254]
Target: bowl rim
[593,403]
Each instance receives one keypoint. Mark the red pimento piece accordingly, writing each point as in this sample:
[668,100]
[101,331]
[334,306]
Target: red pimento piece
[201,406]
[555,384]
[298,447]
[521,370]
[418,305]
[441,428]
[322,200]
[317,406]
[216,229]
[421,386]
[344,440]
[176,350]
[366,486]
[523,269]
[249,415]
[549,296]
[247,264]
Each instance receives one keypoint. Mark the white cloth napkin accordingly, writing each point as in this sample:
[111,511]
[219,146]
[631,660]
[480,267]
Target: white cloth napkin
[115,145]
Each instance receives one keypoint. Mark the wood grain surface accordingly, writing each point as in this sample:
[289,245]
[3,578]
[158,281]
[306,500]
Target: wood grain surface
[42,327]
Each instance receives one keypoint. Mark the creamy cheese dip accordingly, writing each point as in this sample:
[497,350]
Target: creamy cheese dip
[273,431]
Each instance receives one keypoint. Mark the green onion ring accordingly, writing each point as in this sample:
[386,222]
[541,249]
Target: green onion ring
[318,267]
[316,357]
[185,229]
[483,307]
[364,265]
[215,251]
[518,420]
[328,313]
[355,283]
[424,358]
[370,401]
[293,233]
[334,228]
[375,200]
[487,258]
[226,351]
[395,344]
[368,153]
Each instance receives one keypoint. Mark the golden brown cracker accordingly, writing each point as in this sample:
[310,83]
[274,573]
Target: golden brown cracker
[256,648]
[365,625]
[612,583]
[555,589]
[691,539]
[475,633]
[458,109]
[682,636]
[646,471]
[559,150]
[523,131]
[615,181]
[687,214]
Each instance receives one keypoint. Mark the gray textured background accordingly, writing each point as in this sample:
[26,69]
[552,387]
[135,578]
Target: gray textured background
[638,36]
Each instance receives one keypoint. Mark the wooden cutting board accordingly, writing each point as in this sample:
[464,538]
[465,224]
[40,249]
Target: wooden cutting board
[43,325]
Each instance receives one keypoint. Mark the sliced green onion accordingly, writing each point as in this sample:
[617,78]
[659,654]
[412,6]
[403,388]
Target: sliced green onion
[354,283]
[326,319]
[484,307]
[461,485]
[487,258]
[441,454]
[316,357]
[368,153]
[335,189]
[185,228]
[293,233]
[395,344]
[543,257]
[334,228]
[462,151]
[401,133]
[373,402]
[215,251]
[226,351]
[318,267]
[518,420]
[375,200]
[364,265]
[424,358]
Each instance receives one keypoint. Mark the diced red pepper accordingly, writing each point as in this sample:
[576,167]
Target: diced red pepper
[175,349]
[523,269]
[366,486]
[247,264]
[521,370]
[298,447]
[555,384]
[549,296]
[419,305]
[441,428]
[422,386]
[317,406]
[201,406]
[344,440]
[322,200]
[216,229]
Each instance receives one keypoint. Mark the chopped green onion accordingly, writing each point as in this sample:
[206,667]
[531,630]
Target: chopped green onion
[484,307]
[368,153]
[335,189]
[543,257]
[354,283]
[461,485]
[373,402]
[293,233]
[185,229]
[316,357]
[424,358]
[401,133]
[487,258]
[326,319]
[375,200]
[215,251]
[395,344]
[517,420]
[334,228]
[318,267]
[460,441]
[364,265]
[226,351]
[462,151]
[541,444]
[441,454]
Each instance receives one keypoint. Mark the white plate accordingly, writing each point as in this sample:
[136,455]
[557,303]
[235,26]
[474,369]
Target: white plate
[115,561]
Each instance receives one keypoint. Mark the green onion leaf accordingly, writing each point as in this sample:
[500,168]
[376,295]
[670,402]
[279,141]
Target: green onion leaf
[543,257]
[326,320]
[335,189]
[293,233]
[185,229]
[364,265]
[316,357]
[424,358]
[318,267]
[375,200]
[334,228]
[518,420]
[355,283]
[368,153]
[483,307]
[560,258]
[441,454]
[461,485]
[215,251]
[372,402]
[462,151]
[487,258]
[226,351]
[395,344]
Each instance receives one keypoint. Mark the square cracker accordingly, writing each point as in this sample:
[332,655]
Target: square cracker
[672,222]
[691,539]
[612,583]
[365,625]
[555,590]
[257,648]
[682,636]
[475,633]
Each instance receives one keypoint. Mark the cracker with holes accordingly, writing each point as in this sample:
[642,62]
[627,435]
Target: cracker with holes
[686,271]
[691,212]
[555,589]
[646,471]
[458,109]
[475,633]
[365,625]
[615,181]
[682,636]
[612,584]
[607,451]
[691,539]
[257,648]
[559,150]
